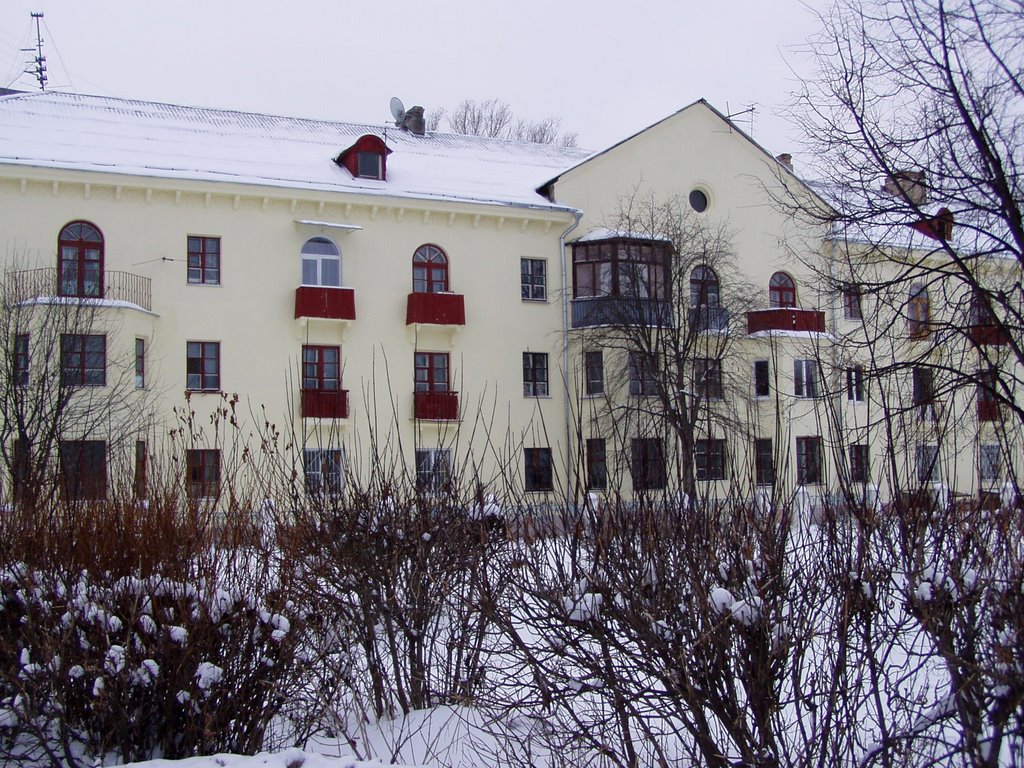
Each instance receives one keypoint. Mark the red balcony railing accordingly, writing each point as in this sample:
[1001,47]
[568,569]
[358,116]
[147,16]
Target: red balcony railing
[325,403]
[436,406]
[988,410]
[329,303]
[810,320]
[436,309]
[31,284]
[996,335]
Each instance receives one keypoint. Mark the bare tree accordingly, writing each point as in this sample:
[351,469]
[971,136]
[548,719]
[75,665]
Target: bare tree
[494,118]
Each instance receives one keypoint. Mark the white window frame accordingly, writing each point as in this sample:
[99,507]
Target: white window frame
[433,469]
[805,378]
[314,460]
[319,259]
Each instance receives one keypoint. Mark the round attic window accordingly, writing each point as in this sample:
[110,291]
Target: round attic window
[698,201]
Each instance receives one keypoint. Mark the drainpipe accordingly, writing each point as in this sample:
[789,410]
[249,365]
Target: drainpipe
[567,404]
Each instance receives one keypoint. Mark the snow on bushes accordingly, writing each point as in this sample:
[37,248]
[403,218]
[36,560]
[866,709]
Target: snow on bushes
[96,662]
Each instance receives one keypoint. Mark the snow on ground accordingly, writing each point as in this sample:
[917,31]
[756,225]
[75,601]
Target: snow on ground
[289,758]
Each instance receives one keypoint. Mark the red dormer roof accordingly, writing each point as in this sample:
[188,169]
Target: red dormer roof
[349,158]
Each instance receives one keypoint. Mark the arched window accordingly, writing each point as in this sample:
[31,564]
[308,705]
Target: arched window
[80,260]
[704,288]
[918,311]
[321,263]
[429,270]
[781,290]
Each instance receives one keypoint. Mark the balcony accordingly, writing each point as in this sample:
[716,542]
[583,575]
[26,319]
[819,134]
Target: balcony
[988,410]
[786,319]
[325,403]
[993,335]
[708,319]
[436,406]
[621,311]
[29,284]
[436,309]
[326,303]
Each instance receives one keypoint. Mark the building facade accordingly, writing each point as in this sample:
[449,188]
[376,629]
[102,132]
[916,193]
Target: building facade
[645,319]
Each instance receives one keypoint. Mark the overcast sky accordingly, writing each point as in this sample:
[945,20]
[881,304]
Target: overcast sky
[607,68]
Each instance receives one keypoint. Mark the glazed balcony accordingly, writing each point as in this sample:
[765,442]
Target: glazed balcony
[436,406]
[325,403]
[708,318]
[326,303]
[621,311]
[992,335]
[786,319]
[30,284]
[436,309]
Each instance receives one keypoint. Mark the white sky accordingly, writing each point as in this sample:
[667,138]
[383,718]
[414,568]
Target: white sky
[607,68]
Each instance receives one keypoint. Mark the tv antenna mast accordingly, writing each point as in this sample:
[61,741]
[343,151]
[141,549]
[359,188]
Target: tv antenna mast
[37,67]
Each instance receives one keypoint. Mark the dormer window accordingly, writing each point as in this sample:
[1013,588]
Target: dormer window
[366,159]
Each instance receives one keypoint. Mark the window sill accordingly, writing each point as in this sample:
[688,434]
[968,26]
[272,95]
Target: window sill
[204,285]
[203,391]
[536,397]
[535,301]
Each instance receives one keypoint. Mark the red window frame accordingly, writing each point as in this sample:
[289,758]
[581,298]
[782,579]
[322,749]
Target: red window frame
[781,290]
[852,303]
[431,372]
[859,463]
[80,260]
[621,267]
[202,366]
[202,466]
[83,360]
[321,367]
[204,262]
[593,363]
[918,312]
[83,469]
[704,288]
[429,270]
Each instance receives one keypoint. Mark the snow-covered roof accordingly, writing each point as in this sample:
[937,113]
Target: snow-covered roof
[141,138]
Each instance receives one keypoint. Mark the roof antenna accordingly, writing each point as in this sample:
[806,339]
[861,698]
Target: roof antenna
[38,70]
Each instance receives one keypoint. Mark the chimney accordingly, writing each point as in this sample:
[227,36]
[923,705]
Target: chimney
[786,159]
[414,122]
[910,185]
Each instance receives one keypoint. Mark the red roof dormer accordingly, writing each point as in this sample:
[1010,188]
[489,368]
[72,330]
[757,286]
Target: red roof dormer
[366,159]
[938,227]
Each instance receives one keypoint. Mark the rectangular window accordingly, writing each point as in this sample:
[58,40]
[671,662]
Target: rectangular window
[203,260]
[597,464]
[762,380]
[321,367]
[140,482]
[21,360]
[140,363]
[988,402]
[322,470]
[990,462]
[627,268]
[83,469]
[538,473]
[808,460]
[764,461]
[923,386]
[805,378]
[642,381]
[83,360]
[433,470]
[202,470]
[534,279]
[647,465]
[594,364]
[368,165]
[858,463]
[431,371]
[202,366]
[709,459]
[855,384]
[927,460]
[535,374]
[707,378]
[851,302]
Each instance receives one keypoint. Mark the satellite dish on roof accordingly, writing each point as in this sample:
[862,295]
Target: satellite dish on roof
[397,110]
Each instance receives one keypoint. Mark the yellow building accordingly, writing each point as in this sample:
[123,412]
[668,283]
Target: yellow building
[394,297]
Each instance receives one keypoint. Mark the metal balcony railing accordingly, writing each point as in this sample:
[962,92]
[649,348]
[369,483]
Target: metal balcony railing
[29,284]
